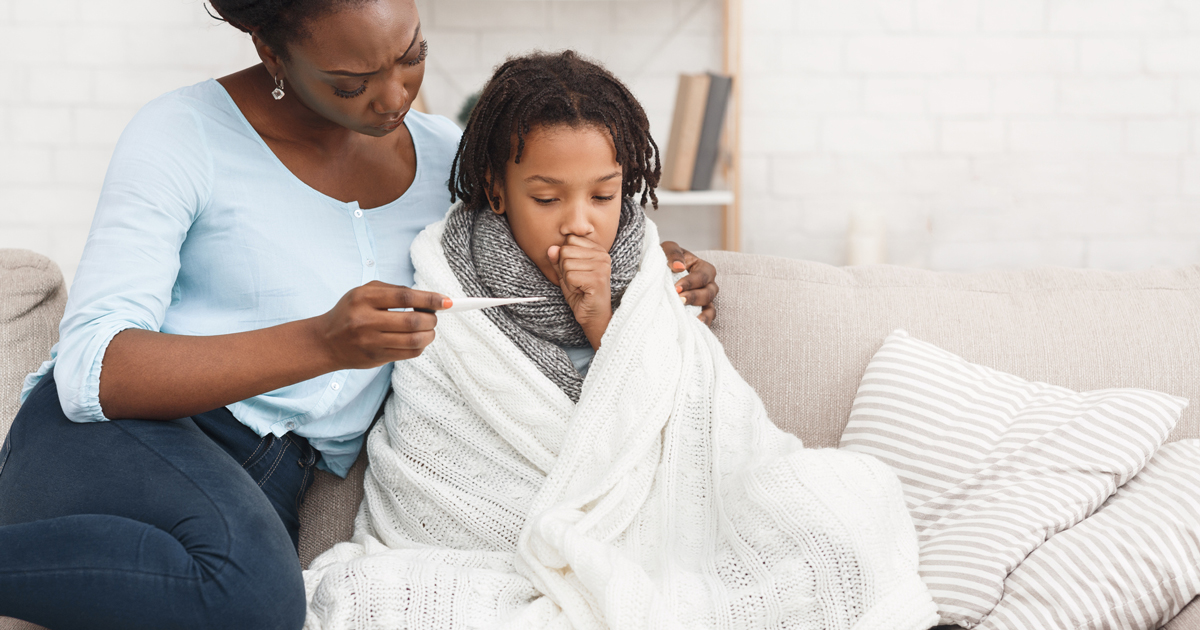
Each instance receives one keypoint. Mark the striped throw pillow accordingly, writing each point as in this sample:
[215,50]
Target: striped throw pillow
[993,465]
[1135,563]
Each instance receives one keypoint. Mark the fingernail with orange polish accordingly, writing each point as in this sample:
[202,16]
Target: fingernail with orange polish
[447,302]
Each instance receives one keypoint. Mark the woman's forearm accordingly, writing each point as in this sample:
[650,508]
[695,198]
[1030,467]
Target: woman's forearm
[158,376]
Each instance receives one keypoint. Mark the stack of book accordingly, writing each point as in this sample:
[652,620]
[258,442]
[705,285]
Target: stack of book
[694,144]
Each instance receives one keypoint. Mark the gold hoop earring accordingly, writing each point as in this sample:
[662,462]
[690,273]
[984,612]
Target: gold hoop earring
[278,91]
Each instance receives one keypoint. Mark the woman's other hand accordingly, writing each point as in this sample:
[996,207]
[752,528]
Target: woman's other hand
[361,332]
[584,274]
[699,287]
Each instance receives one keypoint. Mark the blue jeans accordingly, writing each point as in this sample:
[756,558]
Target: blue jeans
[189,523]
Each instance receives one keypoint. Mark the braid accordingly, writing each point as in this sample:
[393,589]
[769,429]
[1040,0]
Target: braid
[550,89]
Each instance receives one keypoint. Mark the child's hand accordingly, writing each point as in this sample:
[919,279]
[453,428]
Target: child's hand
[584,275]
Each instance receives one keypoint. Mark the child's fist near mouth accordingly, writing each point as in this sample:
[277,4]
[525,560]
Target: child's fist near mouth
[584,274]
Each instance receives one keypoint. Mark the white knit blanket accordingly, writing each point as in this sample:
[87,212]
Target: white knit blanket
[665,499]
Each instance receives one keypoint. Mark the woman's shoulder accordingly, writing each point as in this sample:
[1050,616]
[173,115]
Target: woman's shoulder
[180,140]
[181,116]
[204,99]
[436,141]
[433,124]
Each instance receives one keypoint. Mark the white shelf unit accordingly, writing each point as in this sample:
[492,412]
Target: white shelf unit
[694,197]
[727,200]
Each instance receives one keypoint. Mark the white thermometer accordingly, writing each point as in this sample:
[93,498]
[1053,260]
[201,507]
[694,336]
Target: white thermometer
[473,303]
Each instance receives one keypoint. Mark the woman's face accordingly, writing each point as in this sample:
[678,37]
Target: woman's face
[568,182]
[361,66]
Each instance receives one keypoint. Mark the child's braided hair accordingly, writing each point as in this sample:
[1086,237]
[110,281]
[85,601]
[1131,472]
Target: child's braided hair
[550,89]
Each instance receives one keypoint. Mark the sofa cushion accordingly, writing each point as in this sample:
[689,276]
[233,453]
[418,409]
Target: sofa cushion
[1132,564]
[327,514]
[802,333]
[992,465]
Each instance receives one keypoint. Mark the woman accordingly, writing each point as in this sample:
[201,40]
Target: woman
[232,310]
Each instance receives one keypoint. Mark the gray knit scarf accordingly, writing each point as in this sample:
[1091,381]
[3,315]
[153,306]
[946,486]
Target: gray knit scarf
[488,262]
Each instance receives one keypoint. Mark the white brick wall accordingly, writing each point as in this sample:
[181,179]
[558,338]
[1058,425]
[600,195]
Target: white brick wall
[991,133]
[73,72]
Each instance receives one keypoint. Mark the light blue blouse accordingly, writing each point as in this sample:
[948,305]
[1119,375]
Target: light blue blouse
[201,230]
[581,358]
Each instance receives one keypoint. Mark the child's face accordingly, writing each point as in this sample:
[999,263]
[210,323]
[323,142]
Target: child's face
[568,182]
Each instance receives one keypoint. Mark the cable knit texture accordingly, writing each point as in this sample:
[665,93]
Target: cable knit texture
[487,261]
[664,499]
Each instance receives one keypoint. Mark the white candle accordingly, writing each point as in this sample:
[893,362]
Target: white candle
[866,239]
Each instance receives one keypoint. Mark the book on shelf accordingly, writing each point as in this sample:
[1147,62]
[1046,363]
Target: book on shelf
[694,144]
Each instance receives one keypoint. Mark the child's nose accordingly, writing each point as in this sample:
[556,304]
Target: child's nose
[577,222]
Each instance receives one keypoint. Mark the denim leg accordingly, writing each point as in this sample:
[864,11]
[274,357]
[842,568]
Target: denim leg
[282,467]
[137,524]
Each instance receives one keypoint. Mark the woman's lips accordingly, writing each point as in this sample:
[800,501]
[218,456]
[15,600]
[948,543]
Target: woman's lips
[392,124]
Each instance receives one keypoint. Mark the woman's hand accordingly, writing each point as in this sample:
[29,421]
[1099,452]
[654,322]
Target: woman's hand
[360,332]
[207,372]
[699,287]
[584,275]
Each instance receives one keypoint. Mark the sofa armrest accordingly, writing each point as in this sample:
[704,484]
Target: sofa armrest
[8,623]
[32,298]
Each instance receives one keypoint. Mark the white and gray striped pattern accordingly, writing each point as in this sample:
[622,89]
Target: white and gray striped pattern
[1133,564]
[993,465]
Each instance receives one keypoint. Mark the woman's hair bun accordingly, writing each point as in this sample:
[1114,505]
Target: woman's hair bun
[252,16]
[276,22]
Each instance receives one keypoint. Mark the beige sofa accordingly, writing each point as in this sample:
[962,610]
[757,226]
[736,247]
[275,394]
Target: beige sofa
[802,334]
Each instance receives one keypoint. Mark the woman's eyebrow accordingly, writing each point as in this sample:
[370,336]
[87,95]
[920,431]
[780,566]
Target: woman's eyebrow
[347,73]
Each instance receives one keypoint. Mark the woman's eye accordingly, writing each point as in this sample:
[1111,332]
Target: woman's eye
[608,198]
[424,52]
[351,93]
[544,201]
